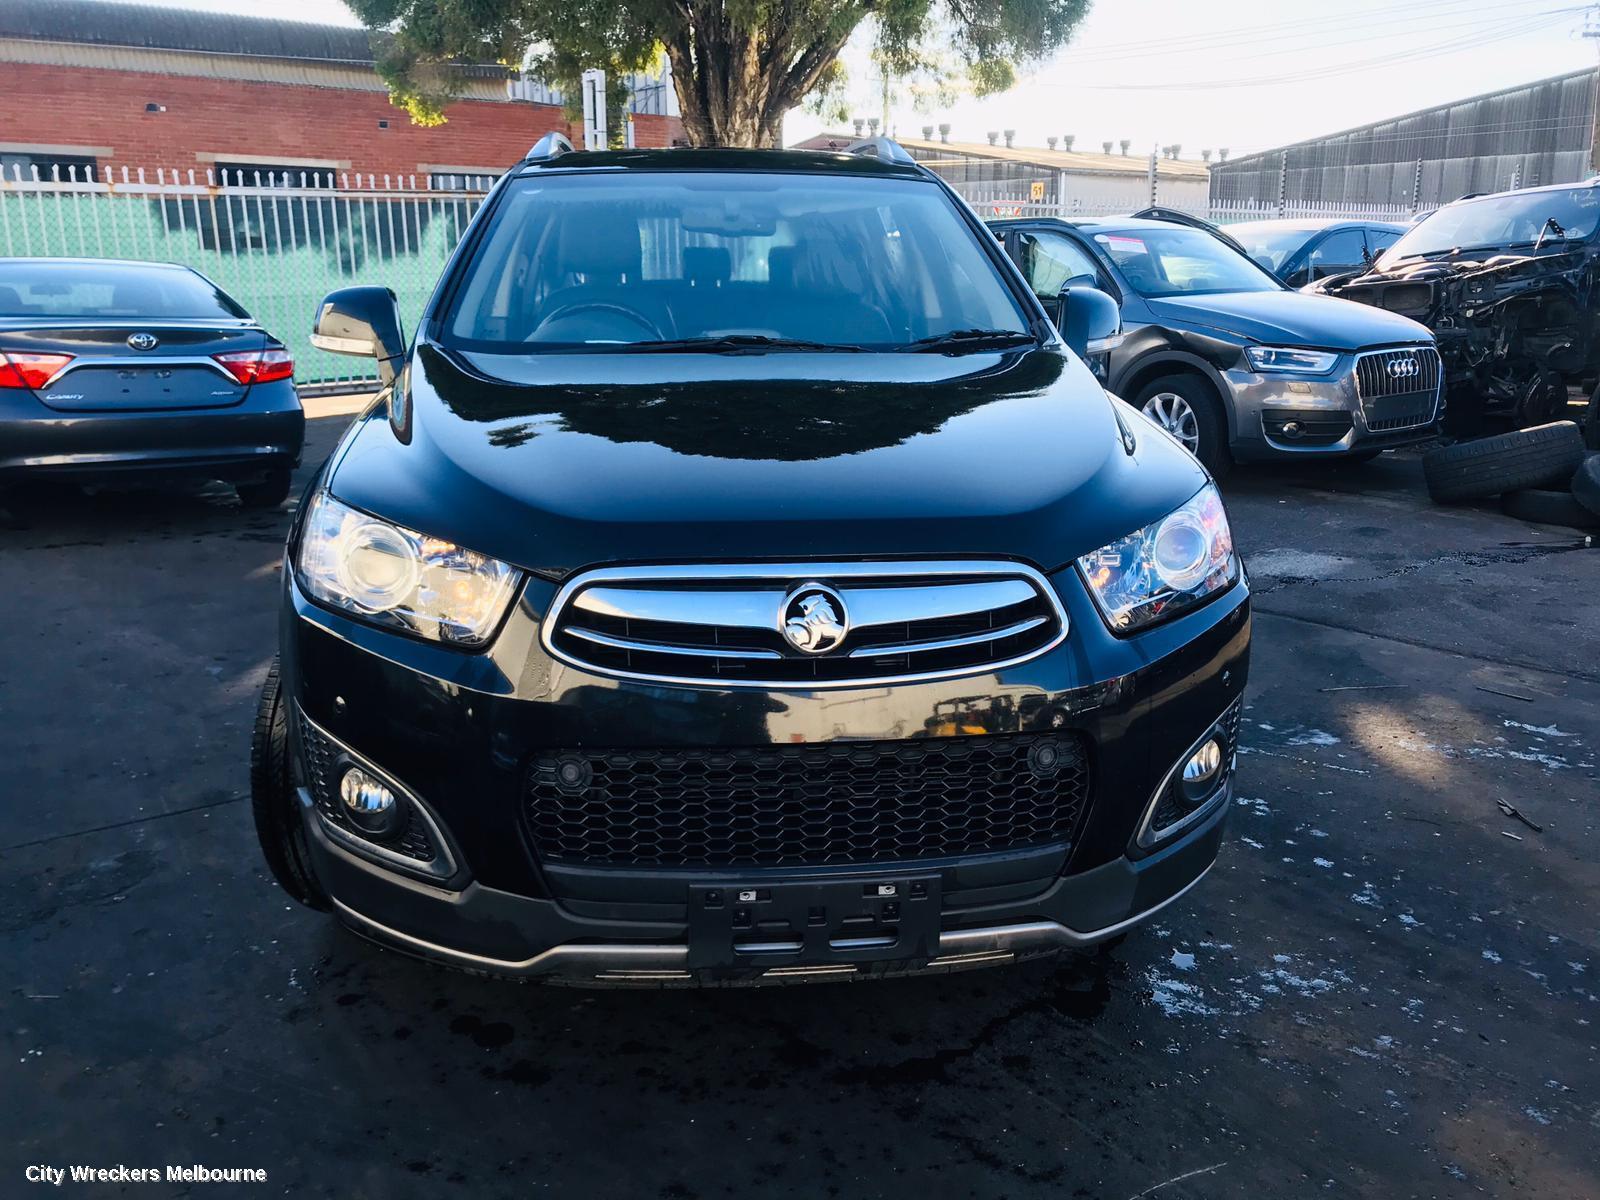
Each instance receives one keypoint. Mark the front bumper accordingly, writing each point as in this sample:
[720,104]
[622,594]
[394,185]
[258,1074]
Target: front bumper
[1278,416]
[265,430]
[458,732]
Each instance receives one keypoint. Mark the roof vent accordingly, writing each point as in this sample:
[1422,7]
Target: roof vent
[1051,142]
[1205,156]
[927,133]
[1106,146]
[1177,149]
[1066,142]
[944,132]
[1125,143]
[861,126]
[994,137]
[1010,136]
[1222,155]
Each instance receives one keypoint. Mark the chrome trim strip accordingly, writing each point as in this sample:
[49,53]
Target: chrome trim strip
[616,643]
[754,609]
[121,361]
[799,572]
[663,961]
[1147,837]
[969,639]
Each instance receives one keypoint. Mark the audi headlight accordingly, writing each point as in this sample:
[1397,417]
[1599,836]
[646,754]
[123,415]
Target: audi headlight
[1287,358]
[1164,568]
[399,578]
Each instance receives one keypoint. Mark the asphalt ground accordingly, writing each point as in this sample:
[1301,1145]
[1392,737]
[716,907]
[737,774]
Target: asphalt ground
[1386,988]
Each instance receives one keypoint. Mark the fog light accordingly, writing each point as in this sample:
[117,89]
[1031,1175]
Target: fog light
[1203,764]
[369,803]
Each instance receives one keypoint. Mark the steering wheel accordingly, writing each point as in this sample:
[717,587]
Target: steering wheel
[605,306]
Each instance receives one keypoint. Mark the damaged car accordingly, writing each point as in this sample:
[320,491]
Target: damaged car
[1508,284]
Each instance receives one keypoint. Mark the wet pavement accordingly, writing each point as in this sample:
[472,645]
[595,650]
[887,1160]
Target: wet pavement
[1386,988]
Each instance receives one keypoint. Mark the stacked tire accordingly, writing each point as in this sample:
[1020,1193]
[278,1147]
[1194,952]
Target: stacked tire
[1544,474]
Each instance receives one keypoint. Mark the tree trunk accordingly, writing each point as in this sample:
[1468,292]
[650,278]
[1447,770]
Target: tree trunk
[735,84]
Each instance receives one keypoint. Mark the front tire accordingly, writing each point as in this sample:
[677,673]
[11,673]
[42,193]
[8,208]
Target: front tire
[1187,407]
[280,828]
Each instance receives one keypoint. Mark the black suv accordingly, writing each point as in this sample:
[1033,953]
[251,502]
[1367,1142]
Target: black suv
[741,579]
[1231,362]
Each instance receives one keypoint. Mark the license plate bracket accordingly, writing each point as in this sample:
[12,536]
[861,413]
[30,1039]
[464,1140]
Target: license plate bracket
[814,921]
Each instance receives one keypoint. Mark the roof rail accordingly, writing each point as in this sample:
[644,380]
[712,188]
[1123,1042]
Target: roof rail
[551,145]
[885,148]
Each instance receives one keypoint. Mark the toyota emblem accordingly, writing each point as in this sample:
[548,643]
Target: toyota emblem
[143,341]
[813,618]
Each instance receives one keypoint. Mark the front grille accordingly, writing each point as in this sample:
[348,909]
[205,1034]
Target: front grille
[726,624]
[322,757]
[809,805]
[1398,388]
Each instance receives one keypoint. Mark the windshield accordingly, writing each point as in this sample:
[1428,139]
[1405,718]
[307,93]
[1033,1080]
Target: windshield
[48,288]
[1269,245]
[628,259]
[1182,262]
[1497,222]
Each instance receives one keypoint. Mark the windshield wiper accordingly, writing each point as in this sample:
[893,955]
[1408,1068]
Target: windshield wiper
[725,343]
[971,339]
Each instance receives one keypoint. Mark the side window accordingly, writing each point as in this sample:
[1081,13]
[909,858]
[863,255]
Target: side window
[1379,240]
[1336,254]
[1050,259]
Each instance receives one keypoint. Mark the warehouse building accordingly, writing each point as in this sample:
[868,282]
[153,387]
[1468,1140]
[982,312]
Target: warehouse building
[1536,133]
[998,176]
[91,85]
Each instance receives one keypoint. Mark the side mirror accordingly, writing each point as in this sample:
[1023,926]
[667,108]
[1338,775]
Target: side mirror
[1090,321]
[363,321]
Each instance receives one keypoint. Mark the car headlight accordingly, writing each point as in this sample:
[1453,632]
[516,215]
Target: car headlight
[1164,568]
[399,578]
[1287,358]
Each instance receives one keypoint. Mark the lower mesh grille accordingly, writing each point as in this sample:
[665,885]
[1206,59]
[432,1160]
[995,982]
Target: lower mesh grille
[321,757]
[838,802]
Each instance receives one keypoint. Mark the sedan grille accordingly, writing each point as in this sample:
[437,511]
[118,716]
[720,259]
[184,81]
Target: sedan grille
[748,625]
[809,805]
[1398,388]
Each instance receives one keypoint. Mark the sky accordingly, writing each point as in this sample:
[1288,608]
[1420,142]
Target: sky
[1247,74]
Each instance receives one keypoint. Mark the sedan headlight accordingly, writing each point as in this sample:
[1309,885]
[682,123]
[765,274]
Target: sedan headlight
[1164,568]
[399,578]
[1287,358]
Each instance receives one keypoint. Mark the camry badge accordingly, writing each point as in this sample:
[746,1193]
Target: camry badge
[813,618]
[143,341]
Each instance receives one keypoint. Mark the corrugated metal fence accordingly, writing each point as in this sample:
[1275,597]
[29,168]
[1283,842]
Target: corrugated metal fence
[276,243]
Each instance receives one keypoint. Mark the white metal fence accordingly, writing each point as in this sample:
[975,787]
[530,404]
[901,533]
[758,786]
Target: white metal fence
[992,201]
[277,242]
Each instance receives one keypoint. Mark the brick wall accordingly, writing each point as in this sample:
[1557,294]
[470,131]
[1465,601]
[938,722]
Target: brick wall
[56,106]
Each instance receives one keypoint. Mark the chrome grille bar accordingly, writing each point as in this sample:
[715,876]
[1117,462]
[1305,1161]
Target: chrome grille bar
[723,624]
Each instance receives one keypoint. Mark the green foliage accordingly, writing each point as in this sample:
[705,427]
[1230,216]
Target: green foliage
[738,65]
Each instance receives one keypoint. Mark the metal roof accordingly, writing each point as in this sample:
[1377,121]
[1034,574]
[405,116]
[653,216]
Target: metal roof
[157,27]
[1056,160]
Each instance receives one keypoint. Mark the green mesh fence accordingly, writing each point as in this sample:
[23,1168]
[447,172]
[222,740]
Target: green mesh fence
[277,251]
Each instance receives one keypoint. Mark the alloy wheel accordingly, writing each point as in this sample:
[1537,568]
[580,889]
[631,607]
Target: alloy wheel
[1174,414]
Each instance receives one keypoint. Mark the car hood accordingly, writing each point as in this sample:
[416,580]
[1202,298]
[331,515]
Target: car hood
[1291,319]
[555,462]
